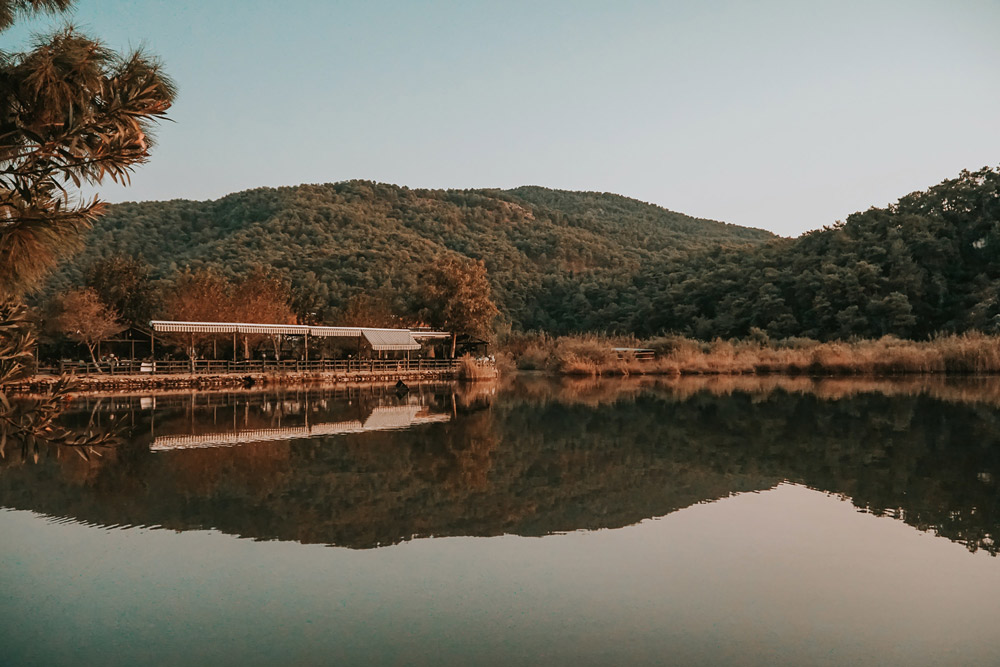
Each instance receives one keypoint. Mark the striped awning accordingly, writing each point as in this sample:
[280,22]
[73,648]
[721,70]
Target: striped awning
[382,340]
[379,339]
[382,418]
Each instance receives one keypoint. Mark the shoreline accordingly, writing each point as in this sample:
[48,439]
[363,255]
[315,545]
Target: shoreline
[41,384]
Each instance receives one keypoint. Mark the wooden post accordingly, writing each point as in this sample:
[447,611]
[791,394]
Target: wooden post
[307,347]
[234,346]
[152,345]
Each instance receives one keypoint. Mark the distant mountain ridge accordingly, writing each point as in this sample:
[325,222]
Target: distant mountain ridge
[338,239]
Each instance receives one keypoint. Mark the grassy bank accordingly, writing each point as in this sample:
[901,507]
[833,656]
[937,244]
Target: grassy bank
[470,371]
[594,355]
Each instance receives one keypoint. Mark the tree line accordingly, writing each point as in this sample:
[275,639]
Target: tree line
[563,262]
[119,292]
[929,263]
[334,243]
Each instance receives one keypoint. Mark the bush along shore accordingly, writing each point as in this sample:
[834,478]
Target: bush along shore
[970,353]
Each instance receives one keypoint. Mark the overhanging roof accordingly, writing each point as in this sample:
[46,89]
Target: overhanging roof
[387,336]
[388,339]
[382,418]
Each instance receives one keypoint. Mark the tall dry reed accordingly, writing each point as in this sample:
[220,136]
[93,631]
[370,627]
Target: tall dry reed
[969,353]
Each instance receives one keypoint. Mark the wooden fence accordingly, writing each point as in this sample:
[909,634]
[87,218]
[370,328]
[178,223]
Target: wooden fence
[217,367]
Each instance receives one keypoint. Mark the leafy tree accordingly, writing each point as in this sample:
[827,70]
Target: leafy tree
[262,297]
[86,319]
[370,310]
[198,296]
[205,296]
[456,296]
[124,283]
[309,298]
[892,314]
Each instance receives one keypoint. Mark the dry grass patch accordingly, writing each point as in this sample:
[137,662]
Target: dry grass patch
[593,355]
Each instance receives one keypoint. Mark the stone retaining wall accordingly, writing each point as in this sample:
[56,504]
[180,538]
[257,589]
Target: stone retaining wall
[42,383]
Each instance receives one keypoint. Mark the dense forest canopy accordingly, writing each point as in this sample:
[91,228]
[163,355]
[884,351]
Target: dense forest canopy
[336,241]
[564,262]
[928,263]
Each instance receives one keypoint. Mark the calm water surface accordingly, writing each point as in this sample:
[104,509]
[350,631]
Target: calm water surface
[701,522]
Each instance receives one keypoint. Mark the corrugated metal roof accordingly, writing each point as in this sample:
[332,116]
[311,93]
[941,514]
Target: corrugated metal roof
[390,336]
[228,327]
[390,339]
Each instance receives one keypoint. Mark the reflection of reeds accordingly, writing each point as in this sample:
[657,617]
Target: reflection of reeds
[593,355]
[594,391]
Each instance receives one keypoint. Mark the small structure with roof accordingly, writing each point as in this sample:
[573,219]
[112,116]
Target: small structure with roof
[375,342]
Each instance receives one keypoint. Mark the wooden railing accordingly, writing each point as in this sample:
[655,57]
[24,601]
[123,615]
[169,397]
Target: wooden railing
[215,367]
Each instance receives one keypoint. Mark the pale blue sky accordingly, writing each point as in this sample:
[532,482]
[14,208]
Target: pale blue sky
[782,115]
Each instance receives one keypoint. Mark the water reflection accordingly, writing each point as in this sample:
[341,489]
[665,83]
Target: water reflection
[367,467]
[237,420]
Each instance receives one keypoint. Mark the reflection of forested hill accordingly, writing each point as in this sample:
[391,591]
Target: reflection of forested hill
[541,464]
[337,240]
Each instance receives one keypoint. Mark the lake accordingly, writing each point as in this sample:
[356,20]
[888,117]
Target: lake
[707,521]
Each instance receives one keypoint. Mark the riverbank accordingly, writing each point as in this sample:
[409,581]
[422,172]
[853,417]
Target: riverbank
[41,384]
[596,356]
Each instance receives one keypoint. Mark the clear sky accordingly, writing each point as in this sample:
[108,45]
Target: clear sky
[781,115]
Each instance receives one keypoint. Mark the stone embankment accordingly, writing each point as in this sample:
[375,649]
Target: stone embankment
[40,384]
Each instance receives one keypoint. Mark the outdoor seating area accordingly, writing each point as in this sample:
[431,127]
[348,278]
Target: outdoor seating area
[307,349]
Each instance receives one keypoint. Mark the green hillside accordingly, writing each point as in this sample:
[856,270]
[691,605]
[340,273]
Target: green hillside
[565,262]
[541,247]
[925,264]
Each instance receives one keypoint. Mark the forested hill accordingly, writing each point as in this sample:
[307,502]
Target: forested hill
[579,250]
[928,263]
[617,216]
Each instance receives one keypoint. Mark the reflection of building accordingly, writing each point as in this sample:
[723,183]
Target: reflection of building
[382,418]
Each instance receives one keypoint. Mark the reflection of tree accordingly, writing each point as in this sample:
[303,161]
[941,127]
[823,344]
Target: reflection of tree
[460,459]
[255,468]
[536,464]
